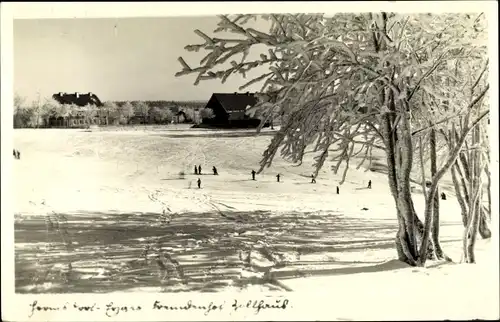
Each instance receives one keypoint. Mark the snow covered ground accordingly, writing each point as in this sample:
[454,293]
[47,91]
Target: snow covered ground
[107,211]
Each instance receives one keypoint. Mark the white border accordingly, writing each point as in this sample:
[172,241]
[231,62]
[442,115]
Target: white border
[304,306]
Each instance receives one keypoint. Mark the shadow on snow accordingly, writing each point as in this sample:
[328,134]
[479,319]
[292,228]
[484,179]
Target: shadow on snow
[216,134]
[206,252]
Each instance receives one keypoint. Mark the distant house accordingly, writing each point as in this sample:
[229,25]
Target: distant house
[230,110]
[179,115]
[77,117]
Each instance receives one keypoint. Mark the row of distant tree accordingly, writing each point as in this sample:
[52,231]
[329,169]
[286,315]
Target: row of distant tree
[39,113]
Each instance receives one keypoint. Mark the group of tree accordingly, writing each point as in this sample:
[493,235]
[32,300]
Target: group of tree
[39,112]
[346,84]
[207,113]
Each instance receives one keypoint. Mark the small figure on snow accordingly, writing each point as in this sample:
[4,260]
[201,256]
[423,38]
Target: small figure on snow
[278,177]
[199,183]
[443,196]
[313,179]
[369,184]
[338,190]
[214,169]
[199,169]
[253,174]
[15,154]
[18,155]
[195,170]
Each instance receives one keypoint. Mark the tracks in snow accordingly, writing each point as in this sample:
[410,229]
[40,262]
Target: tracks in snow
[249,251]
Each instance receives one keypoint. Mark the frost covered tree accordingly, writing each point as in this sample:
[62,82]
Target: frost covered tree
[207,113]
[88,111]
[19,103]
[22,113]
[125,112]
[461,171]
[347,84]
[142,109]
[53,108]
[191,114]
[40,111]
[110,109]
[46,109]
[469,171]
[160,115]
[469,122]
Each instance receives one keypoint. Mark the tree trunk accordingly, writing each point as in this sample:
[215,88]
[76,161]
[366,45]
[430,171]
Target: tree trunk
[454,154]
[464,198]
[464,176]
[471,230]
[476,205]
[422,168]
[404,187]
[459,195]
[484,230]
[488,189]
[406,245]
[435,211]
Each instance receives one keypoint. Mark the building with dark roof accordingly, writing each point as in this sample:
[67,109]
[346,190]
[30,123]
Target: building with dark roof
[76,117]
[230,109]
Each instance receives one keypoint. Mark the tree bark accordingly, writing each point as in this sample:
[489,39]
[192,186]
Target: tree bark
[488,189]
[463,193]
[470,235]
[422,168]
[484,230]
[464,176]
[404,244]
[458,193]
[404,189]
[435,211]
[471,231]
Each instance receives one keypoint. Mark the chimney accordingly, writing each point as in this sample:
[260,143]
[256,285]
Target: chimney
[76,94]
[248,93]
[90,93]
[60,94]
[235,93]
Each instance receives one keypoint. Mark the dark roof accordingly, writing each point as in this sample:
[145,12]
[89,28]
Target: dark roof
[79,99]
[235,102]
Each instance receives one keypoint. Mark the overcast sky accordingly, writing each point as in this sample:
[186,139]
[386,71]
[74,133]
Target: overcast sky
[136,60]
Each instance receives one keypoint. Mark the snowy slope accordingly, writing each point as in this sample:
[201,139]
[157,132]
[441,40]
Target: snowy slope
[304,235]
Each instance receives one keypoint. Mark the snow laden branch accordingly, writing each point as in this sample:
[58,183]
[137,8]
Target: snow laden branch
[344,85]
[311,66]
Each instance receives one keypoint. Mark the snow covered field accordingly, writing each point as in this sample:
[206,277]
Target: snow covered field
[107,211]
